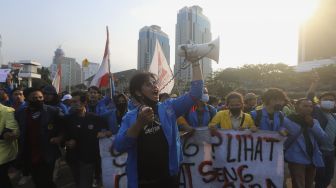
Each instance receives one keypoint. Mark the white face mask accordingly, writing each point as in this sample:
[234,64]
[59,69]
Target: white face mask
[205,98]
[328,105]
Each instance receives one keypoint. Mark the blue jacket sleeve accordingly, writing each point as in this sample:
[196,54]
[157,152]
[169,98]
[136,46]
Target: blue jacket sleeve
[182,104]
[123,142]
[293,131]
[319,133]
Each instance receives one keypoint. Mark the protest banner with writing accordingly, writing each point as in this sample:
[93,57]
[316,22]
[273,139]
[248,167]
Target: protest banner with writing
[233,159]
[229,159]
[113,165]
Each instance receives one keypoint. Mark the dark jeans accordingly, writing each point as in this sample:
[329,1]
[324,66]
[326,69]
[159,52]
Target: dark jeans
[170,182]
[325,174]
[42,174]
[82,173]
[4,178]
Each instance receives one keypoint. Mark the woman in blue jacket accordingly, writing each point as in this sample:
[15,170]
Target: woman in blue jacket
[302,146]
[149,133]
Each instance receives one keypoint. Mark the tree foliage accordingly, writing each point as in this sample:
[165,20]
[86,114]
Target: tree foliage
[258,77]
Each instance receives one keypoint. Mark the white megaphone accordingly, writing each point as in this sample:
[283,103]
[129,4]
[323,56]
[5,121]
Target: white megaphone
[195,52]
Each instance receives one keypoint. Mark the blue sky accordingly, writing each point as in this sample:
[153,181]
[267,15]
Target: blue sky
[259,31]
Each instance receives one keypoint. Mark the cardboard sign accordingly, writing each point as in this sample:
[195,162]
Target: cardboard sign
[3,74]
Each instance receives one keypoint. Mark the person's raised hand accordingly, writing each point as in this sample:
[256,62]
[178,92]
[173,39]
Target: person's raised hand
[145,116]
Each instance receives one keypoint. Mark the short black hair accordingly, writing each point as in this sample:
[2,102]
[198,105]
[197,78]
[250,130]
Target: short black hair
[94,88]
[213,99]
[234,95]
[299,101]
[137,81]
[274,93]
[30,90]
[116,97]
[327,94]
[82,96]
[19,88]
[163,95]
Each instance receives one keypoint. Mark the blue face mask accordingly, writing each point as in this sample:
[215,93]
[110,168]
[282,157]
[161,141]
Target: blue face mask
[205,98]
[328,105]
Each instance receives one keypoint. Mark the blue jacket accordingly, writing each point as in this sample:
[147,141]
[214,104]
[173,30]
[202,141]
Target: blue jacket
[131,105]
[111,117]
[266,124]
[208,113]
[63,108]
[104,105]
[168,112]
[296,151]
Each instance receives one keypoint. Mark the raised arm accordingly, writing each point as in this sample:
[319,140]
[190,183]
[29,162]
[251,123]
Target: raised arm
[183,103]
[312,89]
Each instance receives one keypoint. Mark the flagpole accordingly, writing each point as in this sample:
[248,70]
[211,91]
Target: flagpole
[108,63]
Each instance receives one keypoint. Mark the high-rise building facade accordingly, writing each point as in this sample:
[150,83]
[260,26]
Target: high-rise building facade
[71,70]
[192,25]
[317,39]
[1,58]
[146,45]
[89,70]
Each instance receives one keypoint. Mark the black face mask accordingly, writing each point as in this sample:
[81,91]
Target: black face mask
[121,107]
[277,107]
[149,102]
[235,111]
[36,104]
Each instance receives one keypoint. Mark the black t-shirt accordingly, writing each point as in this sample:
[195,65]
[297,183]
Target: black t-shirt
[84,131]
[153,155]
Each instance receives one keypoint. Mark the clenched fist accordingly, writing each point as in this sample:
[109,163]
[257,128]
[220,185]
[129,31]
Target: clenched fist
[145,116]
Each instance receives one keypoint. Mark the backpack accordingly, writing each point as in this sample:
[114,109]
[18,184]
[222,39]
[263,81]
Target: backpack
[211,113]
[259,114]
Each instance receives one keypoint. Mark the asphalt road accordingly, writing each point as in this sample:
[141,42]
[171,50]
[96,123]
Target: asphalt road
[64,179]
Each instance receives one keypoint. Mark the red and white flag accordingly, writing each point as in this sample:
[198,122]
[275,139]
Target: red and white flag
[101,79]
[57,79]
[160,67]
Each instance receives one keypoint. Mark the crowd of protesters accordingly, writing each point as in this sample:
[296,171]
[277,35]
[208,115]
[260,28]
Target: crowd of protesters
[40,127]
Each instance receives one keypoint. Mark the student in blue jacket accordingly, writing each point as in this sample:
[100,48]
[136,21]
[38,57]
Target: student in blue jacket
[149,133]
[269,117]
[201,114]
[115,115]
[303,145]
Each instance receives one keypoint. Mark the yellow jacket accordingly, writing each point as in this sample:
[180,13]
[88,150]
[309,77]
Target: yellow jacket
[223,118]
[8,150]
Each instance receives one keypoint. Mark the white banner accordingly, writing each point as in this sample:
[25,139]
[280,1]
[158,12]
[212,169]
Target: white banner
[230,159]
[233,159]
[113,165]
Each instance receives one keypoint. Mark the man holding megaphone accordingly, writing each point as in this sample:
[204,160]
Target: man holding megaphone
[150,134]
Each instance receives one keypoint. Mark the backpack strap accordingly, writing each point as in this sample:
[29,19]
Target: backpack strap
[258,117]
[282,118]
[211,112]
[242,120]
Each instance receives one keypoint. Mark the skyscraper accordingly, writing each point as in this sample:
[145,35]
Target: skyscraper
[318,35]
[192,25]
[89,70]
[146,45]
[1,58]
[71,70]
